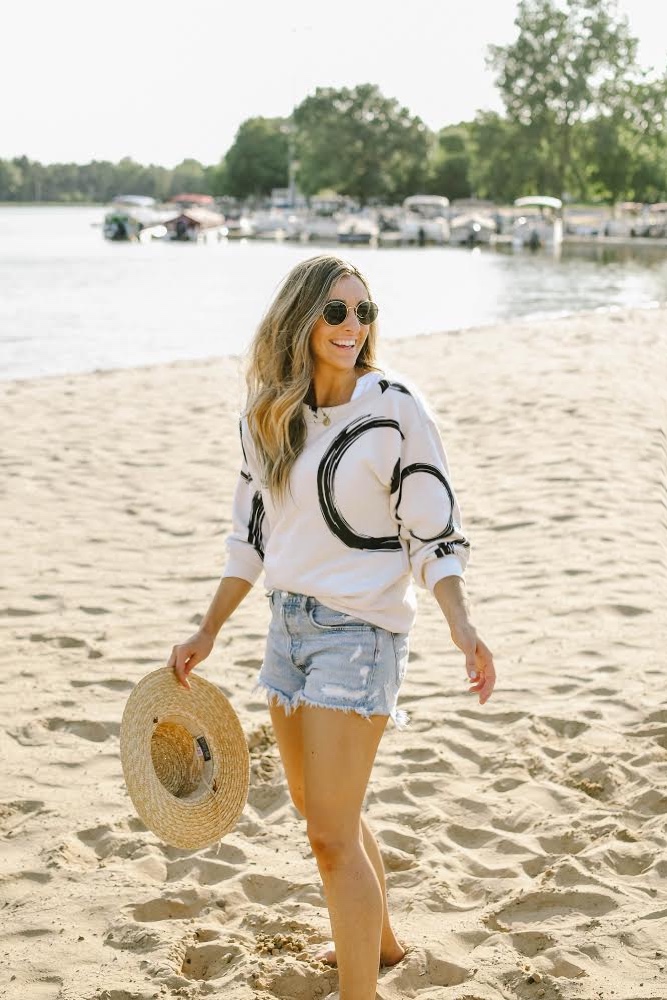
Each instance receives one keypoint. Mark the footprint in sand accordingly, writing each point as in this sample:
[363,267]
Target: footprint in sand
[404,842]
[209,960]
[16,812]
[172,906]
[133,937]
[421,966]
[530,943]
[397,861]
[627,610]
[18,612]
[563,909]
[569,728]
[201,871]
[118,841]
[112,683]
[252,662]
[267,799]
[296,982]
[96,732]
[267,889]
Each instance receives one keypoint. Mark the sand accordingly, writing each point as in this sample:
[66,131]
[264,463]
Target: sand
[524,840]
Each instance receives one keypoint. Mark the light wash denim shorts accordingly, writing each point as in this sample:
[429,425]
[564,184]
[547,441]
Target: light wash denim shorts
[318,656]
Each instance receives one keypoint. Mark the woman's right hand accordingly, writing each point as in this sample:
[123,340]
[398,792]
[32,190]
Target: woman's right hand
[186,655]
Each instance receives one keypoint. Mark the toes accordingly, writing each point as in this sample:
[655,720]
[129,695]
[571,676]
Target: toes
[327,953]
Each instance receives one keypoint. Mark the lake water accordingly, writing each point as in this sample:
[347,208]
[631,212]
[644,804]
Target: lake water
[70,301]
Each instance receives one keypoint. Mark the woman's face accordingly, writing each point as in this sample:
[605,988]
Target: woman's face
[336,348]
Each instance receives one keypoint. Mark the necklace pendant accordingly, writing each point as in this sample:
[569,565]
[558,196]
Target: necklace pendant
[326,420]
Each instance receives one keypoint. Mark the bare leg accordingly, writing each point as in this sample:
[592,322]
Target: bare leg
[339,750]
[289,737]
[391,950]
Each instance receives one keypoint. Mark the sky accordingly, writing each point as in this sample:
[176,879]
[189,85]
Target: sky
[160,81]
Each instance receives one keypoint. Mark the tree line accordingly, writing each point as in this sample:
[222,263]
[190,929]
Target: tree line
[581,120]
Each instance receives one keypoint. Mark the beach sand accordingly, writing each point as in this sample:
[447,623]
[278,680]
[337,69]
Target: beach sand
[524,840]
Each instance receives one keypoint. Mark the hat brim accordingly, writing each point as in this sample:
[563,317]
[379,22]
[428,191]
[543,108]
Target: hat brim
[185,759]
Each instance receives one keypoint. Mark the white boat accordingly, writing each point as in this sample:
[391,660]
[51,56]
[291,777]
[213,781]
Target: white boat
[471,229]
[325,215]
[541,225]
[658,220]
[358,228]
[626,219]
[319,227]
[425,219]
[238,227]
[273,225]
[135,218]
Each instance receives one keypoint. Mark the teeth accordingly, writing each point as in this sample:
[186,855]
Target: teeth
[344,343]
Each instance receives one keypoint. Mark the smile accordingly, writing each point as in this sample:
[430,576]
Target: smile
[347,344]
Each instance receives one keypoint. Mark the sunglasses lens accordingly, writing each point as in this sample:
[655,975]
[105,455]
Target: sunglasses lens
[367,312]
[334,312]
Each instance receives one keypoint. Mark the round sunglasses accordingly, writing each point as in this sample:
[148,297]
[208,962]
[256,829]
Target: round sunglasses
[335,312]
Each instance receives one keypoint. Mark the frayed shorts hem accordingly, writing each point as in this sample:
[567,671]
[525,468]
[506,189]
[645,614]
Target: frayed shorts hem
[399,717]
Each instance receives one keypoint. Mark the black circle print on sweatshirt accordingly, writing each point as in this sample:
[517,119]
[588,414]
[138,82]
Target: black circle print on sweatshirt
[326,474]
[335,520]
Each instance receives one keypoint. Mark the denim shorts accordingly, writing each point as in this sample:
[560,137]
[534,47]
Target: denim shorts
[321,657]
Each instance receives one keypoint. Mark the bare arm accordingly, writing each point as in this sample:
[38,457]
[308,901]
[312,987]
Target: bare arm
[451,595]
[186,655]
[231,591]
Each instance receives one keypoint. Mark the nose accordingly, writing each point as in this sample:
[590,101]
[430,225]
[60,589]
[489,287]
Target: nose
[352,321]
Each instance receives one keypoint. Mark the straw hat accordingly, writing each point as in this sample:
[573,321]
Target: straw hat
[185,759]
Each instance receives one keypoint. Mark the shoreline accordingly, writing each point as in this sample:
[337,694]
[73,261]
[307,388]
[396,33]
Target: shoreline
[519,321]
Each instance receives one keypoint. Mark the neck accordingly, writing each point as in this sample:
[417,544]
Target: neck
[333,388]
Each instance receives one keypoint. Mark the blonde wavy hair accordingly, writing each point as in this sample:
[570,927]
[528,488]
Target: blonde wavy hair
[279,367]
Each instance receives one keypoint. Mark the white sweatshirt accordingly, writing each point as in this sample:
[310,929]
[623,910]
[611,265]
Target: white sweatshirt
[371,506]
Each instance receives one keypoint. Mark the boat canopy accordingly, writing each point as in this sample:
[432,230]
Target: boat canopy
[539,200]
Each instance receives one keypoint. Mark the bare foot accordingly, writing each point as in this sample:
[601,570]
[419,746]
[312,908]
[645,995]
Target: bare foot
[327,953]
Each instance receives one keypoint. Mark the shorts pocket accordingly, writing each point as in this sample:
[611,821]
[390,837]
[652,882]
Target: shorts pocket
[323,617]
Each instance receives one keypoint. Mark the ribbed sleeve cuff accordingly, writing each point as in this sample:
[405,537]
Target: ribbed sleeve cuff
[436,569]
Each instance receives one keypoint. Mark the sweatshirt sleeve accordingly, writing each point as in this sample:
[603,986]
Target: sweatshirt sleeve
[423,500]
[247,540]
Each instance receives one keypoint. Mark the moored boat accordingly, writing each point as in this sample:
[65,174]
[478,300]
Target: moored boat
[541,225]
[425,219]
[131,218]
[193,224]
[358,228]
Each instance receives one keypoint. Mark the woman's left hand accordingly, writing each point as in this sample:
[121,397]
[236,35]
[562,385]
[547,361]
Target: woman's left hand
[479,659]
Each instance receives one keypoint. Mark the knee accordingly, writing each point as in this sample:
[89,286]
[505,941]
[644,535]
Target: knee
[330,847]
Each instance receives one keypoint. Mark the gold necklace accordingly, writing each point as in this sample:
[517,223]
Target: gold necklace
[326,419]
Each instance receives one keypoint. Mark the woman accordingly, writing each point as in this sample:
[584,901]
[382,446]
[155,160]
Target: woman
[343,495]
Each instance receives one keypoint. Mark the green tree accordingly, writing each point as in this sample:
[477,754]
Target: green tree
[569,62]
[359,143]
[628,144]
[217,179]
[11,180]
[258,159]
[450,165]
[503,162]
[188,176]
